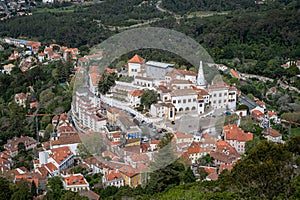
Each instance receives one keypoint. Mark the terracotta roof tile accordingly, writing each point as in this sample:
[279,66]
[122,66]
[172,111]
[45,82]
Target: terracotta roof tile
[136,59]
[136,93]
[233,132]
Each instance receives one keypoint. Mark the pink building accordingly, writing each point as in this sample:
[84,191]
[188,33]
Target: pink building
[236,137]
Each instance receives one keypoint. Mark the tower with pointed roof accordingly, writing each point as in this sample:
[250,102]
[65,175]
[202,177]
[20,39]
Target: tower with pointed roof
[135,65]
[200,78]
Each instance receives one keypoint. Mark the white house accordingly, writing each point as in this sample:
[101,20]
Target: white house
[272,135]
[135,65]
[134,97]
[61,157]
[75,182]
[184,100]
[114,178]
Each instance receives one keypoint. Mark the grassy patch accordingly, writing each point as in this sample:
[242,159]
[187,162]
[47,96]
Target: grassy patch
[295,131]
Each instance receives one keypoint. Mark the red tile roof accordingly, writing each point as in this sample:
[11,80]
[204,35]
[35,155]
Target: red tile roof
[271,132]
[213,177]
[113,175]
[257,113]
[76,179]
[185,72]
[272,113]
[136,93]
[128,171]
[60,154]
[136,59]
[180,135]
[233,132]
[234,73]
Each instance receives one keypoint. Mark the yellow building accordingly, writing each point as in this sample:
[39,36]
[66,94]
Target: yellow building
[131,176]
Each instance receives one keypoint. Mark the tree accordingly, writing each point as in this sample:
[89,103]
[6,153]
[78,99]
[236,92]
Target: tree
[206,160]
[22,192]
[202,173]
[82,151]
[33,189]
[72,195]
[148,98]
[56,185]
[5,191]
[107,81]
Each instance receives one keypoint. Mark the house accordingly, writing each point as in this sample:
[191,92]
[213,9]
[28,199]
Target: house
[12,145]
[7,68]
[131,176]
[41,57]
[181,137]
[135,65]
[96,165]
[180,84]
[221,67]
[134,97]
[70,140]
[157,70]
[114,178]
[234,74]
[75,182]
[112,114]
[236,137]
[48,170]
[94,78]
[21,99]
[185,100]
[222,96]
[257,115]
[61,157]
[272,115]
[186,75]
[272,135]
[163,109]
[224,154]
[14,56]
[153,145]
[252,105]
[89,194]
[5,165]
[130,128]
[144,81]
[195,152]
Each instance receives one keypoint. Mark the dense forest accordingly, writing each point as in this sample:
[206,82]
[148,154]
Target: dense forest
[184,6]
[259,40]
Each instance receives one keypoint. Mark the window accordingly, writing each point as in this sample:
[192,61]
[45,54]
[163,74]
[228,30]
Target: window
[194,100]
[220,94]
[189,100]
[179,101]
[174,101]
[214,101]
[184,100]
[220,101]
[215,95]
[225,94]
